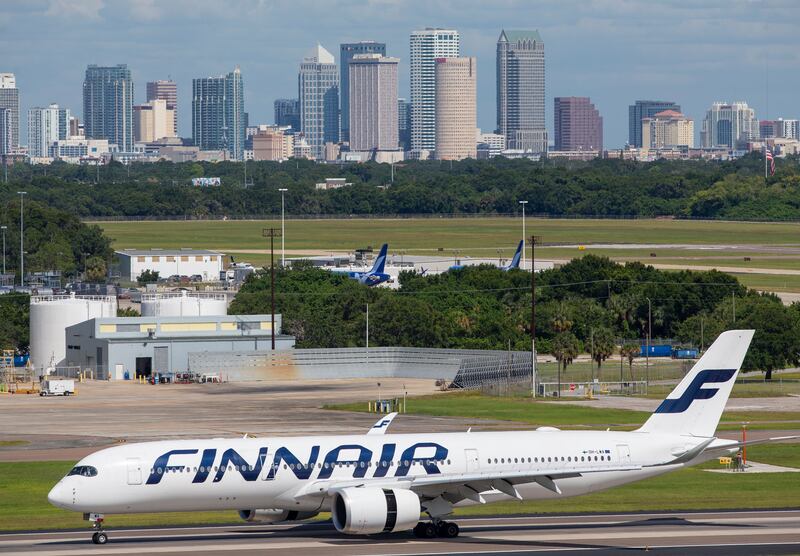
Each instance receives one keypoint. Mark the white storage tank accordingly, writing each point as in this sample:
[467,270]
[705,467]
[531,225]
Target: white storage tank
[51,315]
[184,304]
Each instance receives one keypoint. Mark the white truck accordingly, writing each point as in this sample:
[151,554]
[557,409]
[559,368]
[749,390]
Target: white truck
[57,387]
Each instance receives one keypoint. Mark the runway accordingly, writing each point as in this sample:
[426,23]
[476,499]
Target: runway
[708,533]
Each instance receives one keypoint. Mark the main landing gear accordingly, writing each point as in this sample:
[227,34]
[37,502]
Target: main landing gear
[438,528]
[99,536]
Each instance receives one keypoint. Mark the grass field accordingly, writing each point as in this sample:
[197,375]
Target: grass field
[477,235]
[24,487]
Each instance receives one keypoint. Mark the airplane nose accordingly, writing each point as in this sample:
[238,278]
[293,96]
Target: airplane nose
[60,496]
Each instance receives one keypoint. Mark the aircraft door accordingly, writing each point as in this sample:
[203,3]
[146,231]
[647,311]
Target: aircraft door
[134,471]
[471,457]
[624,454]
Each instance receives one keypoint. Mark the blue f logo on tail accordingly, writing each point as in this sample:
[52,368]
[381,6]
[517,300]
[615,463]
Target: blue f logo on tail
[695,391]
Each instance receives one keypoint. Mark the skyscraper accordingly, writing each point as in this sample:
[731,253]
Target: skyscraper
[108,105]
[404,123]
[668,130]
[729,125]
[645,109]
[456,114]
[152,121]
[318,92]
[578,125]
[287,112]
[45,126]
[5,131]
[520,90]
[218,113]
[165,90]
[373,102]
[426,46]
[9,99]
[347,52]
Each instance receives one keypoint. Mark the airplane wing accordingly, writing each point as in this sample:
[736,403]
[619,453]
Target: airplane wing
[382,424]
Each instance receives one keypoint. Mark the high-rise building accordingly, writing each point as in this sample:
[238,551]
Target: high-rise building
[218,114]
[318,92]
[108,105]
[520,90]
[45,126]
[346,53]
[578,125]
[787,129]
[404,123]
[75,128]
[426,46]
[456,113]
[153,120]
[729,125]
[645,109]
[373,102]
[287,113]
[166,90]
[273,143]
[667,130]
[767,129]
[9,99]
[5,131]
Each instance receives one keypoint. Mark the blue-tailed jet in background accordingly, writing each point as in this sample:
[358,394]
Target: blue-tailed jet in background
[375,275]
[510,266]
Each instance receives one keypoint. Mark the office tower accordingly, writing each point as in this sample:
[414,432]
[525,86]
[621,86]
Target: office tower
[456,113]
[645,109]
[9,99]
[578,125]
[787,129]
[165,90]
[45,126]
[729,126]
[667,130]
[318,92]
[5,131]
[347,52]
[287,113]
[373,102]
[404,123]
[426,46]
[273,143]
[520,90]
[218,114]
[153,120]
[108,105]
[767,129]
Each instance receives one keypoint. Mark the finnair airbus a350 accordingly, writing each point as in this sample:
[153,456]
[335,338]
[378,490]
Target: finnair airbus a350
[382,483]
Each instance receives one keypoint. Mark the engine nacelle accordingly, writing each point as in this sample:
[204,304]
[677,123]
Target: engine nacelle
[365,511]
[274,515]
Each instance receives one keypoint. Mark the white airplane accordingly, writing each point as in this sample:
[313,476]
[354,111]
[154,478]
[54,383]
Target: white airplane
[379,483]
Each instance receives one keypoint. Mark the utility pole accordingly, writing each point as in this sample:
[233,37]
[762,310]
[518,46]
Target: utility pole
[523,203]
[272,233]
[283,229]
[533,241]
[733,300]
[21,238]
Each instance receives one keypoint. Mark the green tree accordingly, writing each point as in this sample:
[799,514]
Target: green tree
[603,346]
[565,349]
[630,351]
[95,269]
[147,277]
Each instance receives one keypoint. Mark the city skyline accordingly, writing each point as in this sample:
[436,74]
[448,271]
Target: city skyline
[641,56]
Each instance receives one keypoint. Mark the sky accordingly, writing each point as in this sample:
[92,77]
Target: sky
[693,52]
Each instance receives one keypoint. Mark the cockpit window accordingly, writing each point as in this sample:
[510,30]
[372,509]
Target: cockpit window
[83,471]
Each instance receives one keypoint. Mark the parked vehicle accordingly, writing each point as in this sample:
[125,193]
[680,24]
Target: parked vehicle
[57,387]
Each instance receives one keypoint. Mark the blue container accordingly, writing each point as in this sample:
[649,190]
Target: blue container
[685,354]
[21,360]
[664,350]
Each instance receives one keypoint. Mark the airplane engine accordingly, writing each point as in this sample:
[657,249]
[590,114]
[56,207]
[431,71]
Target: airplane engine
[274,515]
[365,511]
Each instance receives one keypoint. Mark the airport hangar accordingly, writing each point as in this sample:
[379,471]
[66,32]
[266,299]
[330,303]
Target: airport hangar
[141,346]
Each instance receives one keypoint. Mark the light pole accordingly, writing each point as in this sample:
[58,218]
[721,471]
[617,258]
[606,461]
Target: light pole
[534,240]
[4,228]
[523,203]
[271,233]
[283,230]
[21,238]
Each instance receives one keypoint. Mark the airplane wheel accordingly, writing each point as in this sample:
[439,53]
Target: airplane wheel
[450,530]
[100,538]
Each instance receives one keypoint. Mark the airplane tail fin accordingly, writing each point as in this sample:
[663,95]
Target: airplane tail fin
[380,261]
[696,404]
[517,255]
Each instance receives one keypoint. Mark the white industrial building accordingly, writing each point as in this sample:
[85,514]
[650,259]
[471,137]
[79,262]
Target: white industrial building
[184,304]
[51,315]
[141,346]
[170,262]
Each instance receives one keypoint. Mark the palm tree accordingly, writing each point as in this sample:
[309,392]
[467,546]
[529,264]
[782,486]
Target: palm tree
[565,348]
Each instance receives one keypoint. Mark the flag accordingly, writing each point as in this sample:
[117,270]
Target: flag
[771,160]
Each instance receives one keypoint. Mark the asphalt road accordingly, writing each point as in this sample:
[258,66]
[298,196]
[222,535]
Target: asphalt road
[729,533]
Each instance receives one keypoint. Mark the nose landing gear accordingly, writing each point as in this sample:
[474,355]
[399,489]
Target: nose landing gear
[99,536]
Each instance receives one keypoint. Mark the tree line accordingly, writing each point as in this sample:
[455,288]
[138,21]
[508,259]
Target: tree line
[589,300]
[734,189]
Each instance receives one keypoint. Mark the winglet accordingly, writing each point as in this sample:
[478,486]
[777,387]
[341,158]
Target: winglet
[382,424]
